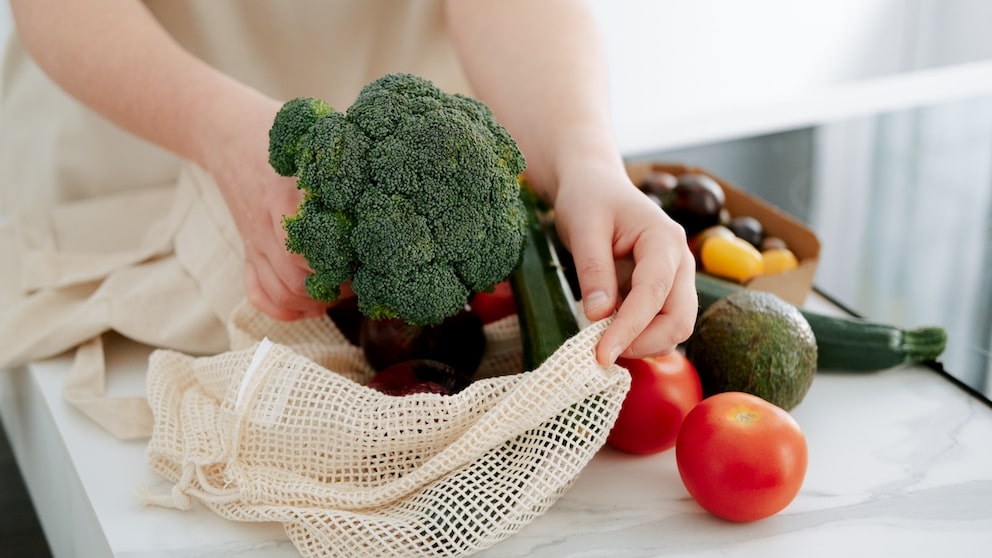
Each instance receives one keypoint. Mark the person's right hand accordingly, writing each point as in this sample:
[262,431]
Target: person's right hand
[631,258]
[258,199]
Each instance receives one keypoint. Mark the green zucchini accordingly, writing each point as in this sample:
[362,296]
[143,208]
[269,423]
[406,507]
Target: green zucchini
[543,308]
[849,343]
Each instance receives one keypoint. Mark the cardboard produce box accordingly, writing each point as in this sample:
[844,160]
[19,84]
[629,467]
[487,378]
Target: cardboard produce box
[793,286]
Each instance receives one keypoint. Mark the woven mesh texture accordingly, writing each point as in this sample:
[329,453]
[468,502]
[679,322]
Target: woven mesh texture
[281,428]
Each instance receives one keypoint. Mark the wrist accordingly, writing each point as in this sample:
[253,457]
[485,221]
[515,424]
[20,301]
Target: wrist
[583,162]
[230,122]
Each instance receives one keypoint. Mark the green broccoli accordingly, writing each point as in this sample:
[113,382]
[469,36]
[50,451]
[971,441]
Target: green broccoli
[411,194]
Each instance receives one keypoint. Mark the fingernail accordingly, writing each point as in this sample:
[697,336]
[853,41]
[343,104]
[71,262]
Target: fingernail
[596,300]
[615,353]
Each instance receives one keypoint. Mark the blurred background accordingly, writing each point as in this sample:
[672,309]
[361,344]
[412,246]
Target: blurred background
[870,120]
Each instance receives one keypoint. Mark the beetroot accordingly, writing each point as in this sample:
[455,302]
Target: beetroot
[459,342]
[418,376]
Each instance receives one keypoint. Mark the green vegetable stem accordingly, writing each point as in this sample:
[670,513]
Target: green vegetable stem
[543,308]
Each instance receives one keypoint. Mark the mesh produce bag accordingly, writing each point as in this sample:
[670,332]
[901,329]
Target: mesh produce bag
[281,428]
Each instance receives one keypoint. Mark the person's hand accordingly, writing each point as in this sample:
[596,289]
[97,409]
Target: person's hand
[630,257]
[258,198]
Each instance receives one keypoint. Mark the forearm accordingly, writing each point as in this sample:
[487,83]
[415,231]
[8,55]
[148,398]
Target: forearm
[113,56]
[552,95]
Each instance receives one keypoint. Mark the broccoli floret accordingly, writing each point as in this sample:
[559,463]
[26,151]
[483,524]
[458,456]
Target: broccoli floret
[411,194]
[290,128]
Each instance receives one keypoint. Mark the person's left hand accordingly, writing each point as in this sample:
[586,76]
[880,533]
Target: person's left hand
[630,257]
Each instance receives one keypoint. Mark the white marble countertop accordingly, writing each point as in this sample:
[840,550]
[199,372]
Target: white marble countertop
[900,464]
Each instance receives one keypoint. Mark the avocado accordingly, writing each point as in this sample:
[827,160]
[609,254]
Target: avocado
[755,342]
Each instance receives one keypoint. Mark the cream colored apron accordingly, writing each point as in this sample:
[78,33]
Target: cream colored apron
[101,231]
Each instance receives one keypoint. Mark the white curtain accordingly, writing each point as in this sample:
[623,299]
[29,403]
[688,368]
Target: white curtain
[903,203]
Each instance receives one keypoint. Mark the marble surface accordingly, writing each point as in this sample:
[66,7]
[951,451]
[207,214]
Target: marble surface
[900,463]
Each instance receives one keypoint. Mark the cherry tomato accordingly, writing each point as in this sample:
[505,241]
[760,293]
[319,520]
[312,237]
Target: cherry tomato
[778,260]
[662,390]
[696,242]
[495,305]
[748,228]
[772,243]
[659,183]
[695,202]
[731,257]
[740,457]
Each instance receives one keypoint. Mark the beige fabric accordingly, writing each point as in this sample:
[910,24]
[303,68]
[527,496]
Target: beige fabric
[155,289]
[124,417]
[171,277]
[53,149]
[102,231]
[282,429]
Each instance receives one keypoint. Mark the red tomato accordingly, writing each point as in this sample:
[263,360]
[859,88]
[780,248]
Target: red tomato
[662,390]
[740,457]
[495,305]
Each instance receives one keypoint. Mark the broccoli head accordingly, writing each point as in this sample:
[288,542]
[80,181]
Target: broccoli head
[411,194]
